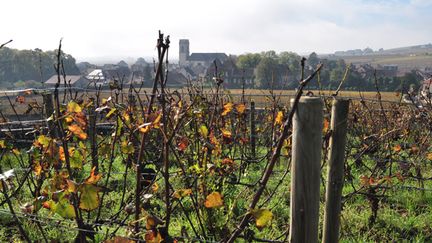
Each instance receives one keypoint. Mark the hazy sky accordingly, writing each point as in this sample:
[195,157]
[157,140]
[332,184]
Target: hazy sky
[128,28]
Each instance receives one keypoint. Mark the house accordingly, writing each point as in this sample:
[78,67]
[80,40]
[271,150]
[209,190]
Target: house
[72,80]
[176,79]
[187,72]
[231,74]
[388,70]
[97,77]
[197,59]
[366,71]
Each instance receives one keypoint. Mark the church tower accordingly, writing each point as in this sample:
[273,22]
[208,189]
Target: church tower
[183,52]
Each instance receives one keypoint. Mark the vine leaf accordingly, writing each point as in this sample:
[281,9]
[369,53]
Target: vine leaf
[226,133]
[127,147]
[240,108]
[183,144]
[73,107]
[65,209]
[77,131]
[62,208]
[203,131]
[182,193]
[262,217]
[89,197]
[153,236]
[279,118]
[213,200]
[397,148]
[93,178]
[227,108]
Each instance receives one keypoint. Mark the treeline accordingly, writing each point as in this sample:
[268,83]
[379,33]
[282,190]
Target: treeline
[29,68]
[283,70]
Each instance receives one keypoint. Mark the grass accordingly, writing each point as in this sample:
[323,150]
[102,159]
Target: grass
[402,215]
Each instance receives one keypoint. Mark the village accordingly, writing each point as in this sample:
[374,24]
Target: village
[202,67]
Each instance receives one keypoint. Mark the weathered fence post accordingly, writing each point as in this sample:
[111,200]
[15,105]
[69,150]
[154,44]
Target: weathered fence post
[335,171]
[252,129]
[305,169]
[47,99]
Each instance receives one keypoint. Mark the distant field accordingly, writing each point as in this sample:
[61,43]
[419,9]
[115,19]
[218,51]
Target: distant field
[405,62]
[260,96]
[256,93]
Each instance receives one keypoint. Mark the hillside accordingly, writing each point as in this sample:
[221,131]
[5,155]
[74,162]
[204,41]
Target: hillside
[407,58]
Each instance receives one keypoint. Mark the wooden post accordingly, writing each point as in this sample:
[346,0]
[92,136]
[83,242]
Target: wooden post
[335,171]
[47,99]
[252,129]
[305,169]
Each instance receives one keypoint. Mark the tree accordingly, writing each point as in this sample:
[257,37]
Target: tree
[313,59]
[147,73]
[266,73]
[248,60]
[35,64]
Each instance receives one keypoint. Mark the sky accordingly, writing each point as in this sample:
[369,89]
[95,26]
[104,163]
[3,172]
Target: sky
[94,29]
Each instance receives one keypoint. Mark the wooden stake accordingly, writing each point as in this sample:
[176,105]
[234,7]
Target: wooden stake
[335,171]
[305,168]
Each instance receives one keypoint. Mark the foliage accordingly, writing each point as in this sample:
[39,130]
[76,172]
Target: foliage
[32,66]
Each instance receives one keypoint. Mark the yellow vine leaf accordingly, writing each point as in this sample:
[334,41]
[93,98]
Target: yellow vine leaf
[286,147]
[429,156]
[155,187]
[227,108]
[111,113]
[182,193]
[37,168]
[73,107]
[226,133]
[71,186]
[156,122]
[77,131]
[240,108]
[213,200]
[203,131]
[279,118]
[397,148]
[262,217]
[93,178]
[42,141]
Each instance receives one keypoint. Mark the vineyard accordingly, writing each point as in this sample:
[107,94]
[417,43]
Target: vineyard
[204,165]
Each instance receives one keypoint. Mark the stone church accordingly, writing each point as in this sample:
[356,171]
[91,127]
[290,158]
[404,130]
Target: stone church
[197,59]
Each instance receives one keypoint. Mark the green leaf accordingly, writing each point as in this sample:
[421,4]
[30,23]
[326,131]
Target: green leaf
[127,147]
[89,197]
[65,209]
[262,217]
[76,159]
[203,131]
